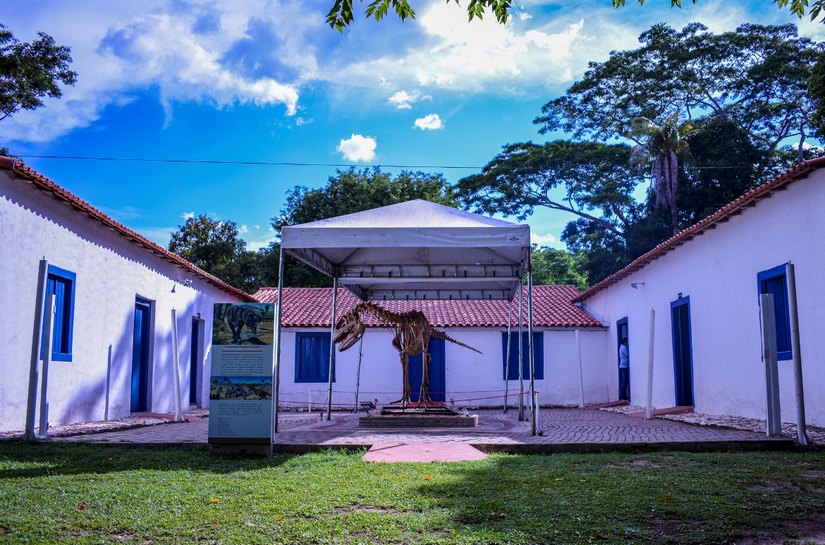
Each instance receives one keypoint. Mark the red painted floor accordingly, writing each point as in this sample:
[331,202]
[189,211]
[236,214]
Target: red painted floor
[392,453]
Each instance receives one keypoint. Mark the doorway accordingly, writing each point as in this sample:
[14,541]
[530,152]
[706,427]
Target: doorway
[194,361]
[438,377]
[682,351]
[622,332]
[141,352]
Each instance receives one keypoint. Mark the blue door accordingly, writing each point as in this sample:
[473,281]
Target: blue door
[438,379]
[682,351]
[194,361]
[140,356]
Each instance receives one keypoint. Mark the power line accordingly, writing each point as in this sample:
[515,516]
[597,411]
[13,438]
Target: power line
[242,163]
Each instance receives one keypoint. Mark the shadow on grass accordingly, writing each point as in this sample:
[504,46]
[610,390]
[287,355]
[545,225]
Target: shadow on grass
[627,498]
[21,459]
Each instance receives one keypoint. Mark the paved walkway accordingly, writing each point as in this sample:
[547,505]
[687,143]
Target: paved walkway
[577,430]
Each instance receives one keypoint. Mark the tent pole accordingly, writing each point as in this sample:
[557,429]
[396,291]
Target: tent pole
[507,357]
[277,370]
[533,408]
[521,416]
[358,371]
[332,345]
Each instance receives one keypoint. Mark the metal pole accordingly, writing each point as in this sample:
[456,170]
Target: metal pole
[358,370]
[43,431]
[332,345]
[533,408]
[176,364]
[581,371]
[796,355]
[31,405]
[507,357]
[108,383]
[650,344]
[774,417]
[521,416]
[277,370]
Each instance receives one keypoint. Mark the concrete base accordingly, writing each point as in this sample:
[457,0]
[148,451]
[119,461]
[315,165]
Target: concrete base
[394,416]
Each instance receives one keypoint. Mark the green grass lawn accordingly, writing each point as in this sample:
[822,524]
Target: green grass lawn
[94,494]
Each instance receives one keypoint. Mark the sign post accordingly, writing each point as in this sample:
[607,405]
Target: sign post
[240,389]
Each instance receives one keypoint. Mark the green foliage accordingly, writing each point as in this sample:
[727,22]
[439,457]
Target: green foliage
[216,247]
[597,178]
[554,266]
[347,192]
[76,493]
[31,71]
[816,87]
[341,15]
[756,77]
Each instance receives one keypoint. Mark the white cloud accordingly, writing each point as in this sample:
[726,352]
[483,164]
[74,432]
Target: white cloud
[402,100]
[430,122]
[243,229]
[123,50]
[357,148]
[545,240]
[187,215]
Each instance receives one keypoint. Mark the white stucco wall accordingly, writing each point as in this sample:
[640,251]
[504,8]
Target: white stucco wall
[718,271]
[471,379]
[111,271]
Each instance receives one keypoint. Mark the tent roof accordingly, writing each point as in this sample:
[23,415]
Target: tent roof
[415,250]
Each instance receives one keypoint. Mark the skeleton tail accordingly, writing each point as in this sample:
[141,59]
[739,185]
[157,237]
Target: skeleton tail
[441,335]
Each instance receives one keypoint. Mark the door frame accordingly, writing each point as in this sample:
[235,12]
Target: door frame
[619,324]
[678,364]
[195,360]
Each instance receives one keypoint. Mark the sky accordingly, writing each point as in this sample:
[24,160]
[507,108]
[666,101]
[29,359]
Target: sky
[267,81]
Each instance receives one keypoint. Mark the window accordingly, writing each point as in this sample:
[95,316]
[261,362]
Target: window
[61,283]
[312,358]
[538,355]
[773,281]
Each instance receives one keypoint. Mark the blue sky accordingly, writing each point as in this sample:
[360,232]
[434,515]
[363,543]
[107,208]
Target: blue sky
[269,81]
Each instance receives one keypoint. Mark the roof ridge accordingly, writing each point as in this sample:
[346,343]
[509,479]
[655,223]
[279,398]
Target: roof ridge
[43,183]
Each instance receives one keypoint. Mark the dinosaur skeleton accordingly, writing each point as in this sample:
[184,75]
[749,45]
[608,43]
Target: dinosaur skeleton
[412,337]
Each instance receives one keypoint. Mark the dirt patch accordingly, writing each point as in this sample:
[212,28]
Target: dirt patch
[813,474]
[799,532]
[370,509]
[636,464]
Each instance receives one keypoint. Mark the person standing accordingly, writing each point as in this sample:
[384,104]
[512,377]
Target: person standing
[624,370]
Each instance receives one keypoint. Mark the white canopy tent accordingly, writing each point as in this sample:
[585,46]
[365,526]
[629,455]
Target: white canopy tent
[412,250]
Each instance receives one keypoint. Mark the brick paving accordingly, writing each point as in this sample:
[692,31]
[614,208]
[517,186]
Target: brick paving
[559,430]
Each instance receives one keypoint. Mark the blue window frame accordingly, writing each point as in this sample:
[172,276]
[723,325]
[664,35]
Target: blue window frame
[61,283]
[773,281]
[312,357]
[538,355]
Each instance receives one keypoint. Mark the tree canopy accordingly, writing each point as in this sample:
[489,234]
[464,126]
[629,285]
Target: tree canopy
[756,77]
[31,71]
[342,12]
[216,247]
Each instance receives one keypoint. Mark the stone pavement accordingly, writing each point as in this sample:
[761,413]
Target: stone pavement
[572,430]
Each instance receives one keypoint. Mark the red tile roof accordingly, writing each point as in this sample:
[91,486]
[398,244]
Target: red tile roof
[23,172]
[552,307]
[722,215]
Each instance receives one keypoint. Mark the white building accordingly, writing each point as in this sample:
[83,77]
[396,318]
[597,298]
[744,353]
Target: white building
[114,292]
[457,374]
[703,285]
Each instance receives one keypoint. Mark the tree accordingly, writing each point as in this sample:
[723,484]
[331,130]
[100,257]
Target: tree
[347,192]
[596,182]
[756,77]
[31,71]
[659,147]
[554,266]
[216,247]
[341,14]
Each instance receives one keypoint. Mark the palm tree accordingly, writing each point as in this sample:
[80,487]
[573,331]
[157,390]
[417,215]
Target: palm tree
[660,146]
